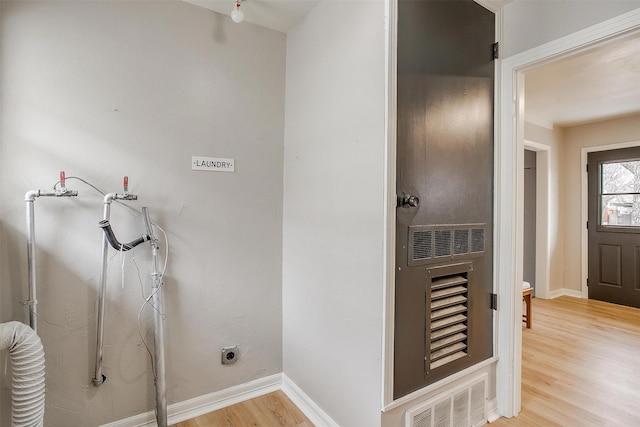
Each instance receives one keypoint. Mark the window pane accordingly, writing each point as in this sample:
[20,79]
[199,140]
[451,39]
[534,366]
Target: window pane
[621,177]
[620,210]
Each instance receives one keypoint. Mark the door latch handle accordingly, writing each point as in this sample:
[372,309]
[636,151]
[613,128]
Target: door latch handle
[408,201]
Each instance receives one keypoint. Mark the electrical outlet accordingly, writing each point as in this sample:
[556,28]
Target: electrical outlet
[230,355]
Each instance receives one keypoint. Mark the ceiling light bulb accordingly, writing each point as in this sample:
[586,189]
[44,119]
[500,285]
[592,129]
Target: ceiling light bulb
[236,14]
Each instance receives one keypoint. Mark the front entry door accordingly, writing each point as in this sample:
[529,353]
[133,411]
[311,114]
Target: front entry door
[443,320]
[614,226]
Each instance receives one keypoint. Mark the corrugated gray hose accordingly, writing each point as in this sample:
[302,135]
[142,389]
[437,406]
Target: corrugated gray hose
[27,360]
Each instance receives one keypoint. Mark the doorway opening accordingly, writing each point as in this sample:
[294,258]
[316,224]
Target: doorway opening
[510,209]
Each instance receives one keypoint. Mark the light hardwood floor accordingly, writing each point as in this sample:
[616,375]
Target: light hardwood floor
[270,410]
[580,365]
[580,368]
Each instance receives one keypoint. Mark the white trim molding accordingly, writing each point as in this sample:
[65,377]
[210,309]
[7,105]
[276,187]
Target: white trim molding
[201,405]
[509,187]
[564,292]
[192,408]
[492,410]
[389,294]
[310,409]
[440,385]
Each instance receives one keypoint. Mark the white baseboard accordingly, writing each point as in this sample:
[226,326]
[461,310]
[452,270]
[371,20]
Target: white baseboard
[308,407]
[201,405]
[565,292]
[492,410]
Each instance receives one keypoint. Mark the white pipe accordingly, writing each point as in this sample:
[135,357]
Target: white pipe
[27,361]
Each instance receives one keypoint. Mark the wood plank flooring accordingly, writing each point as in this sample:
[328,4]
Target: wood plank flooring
[580,365]
[270,410]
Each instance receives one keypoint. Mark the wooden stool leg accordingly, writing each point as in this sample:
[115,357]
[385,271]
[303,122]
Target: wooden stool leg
[527,301]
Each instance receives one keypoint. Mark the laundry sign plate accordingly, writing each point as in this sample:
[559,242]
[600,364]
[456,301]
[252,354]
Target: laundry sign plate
[212,164]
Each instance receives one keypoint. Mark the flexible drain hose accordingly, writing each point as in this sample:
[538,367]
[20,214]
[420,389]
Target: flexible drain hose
[27,360]
[113,241]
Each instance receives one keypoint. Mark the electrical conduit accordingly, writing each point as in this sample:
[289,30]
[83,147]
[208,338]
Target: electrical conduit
[27,360]
[158,328]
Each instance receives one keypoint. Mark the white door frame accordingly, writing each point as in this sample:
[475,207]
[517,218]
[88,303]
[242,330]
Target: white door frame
[543,214]
[510,204]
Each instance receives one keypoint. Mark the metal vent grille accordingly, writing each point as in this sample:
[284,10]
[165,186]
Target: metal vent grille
[443,243]
[448,316]
[443,413]
[477,414]
[429,244]
[460,241]
[422,244]
[463,406]
[423,419]
[460,408]
[477,240]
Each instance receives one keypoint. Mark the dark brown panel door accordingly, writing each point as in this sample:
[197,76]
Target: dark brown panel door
[614,226]
[444,228]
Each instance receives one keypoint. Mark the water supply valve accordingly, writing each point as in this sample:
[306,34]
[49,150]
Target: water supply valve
[63,188]
[125,195]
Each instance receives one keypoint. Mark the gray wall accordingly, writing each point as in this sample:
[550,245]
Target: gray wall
[530,23]
[334,209]
[577,138]
[529,254]
[105,89]
[555,201]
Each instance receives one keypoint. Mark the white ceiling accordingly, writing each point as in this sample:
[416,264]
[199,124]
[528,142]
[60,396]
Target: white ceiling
[280,15]
[598,84]
[283,15]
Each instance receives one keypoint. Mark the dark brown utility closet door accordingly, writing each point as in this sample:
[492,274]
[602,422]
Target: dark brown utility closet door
[443,320]
[614,226]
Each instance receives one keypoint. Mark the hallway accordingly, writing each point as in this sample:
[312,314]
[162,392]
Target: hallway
[581,365]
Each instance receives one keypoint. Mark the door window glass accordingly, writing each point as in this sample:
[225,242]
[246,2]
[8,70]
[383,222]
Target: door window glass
[620,194]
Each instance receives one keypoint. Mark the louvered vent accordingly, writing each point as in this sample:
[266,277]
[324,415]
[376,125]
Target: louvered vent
[448,316]
[462,406]
[437,243]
